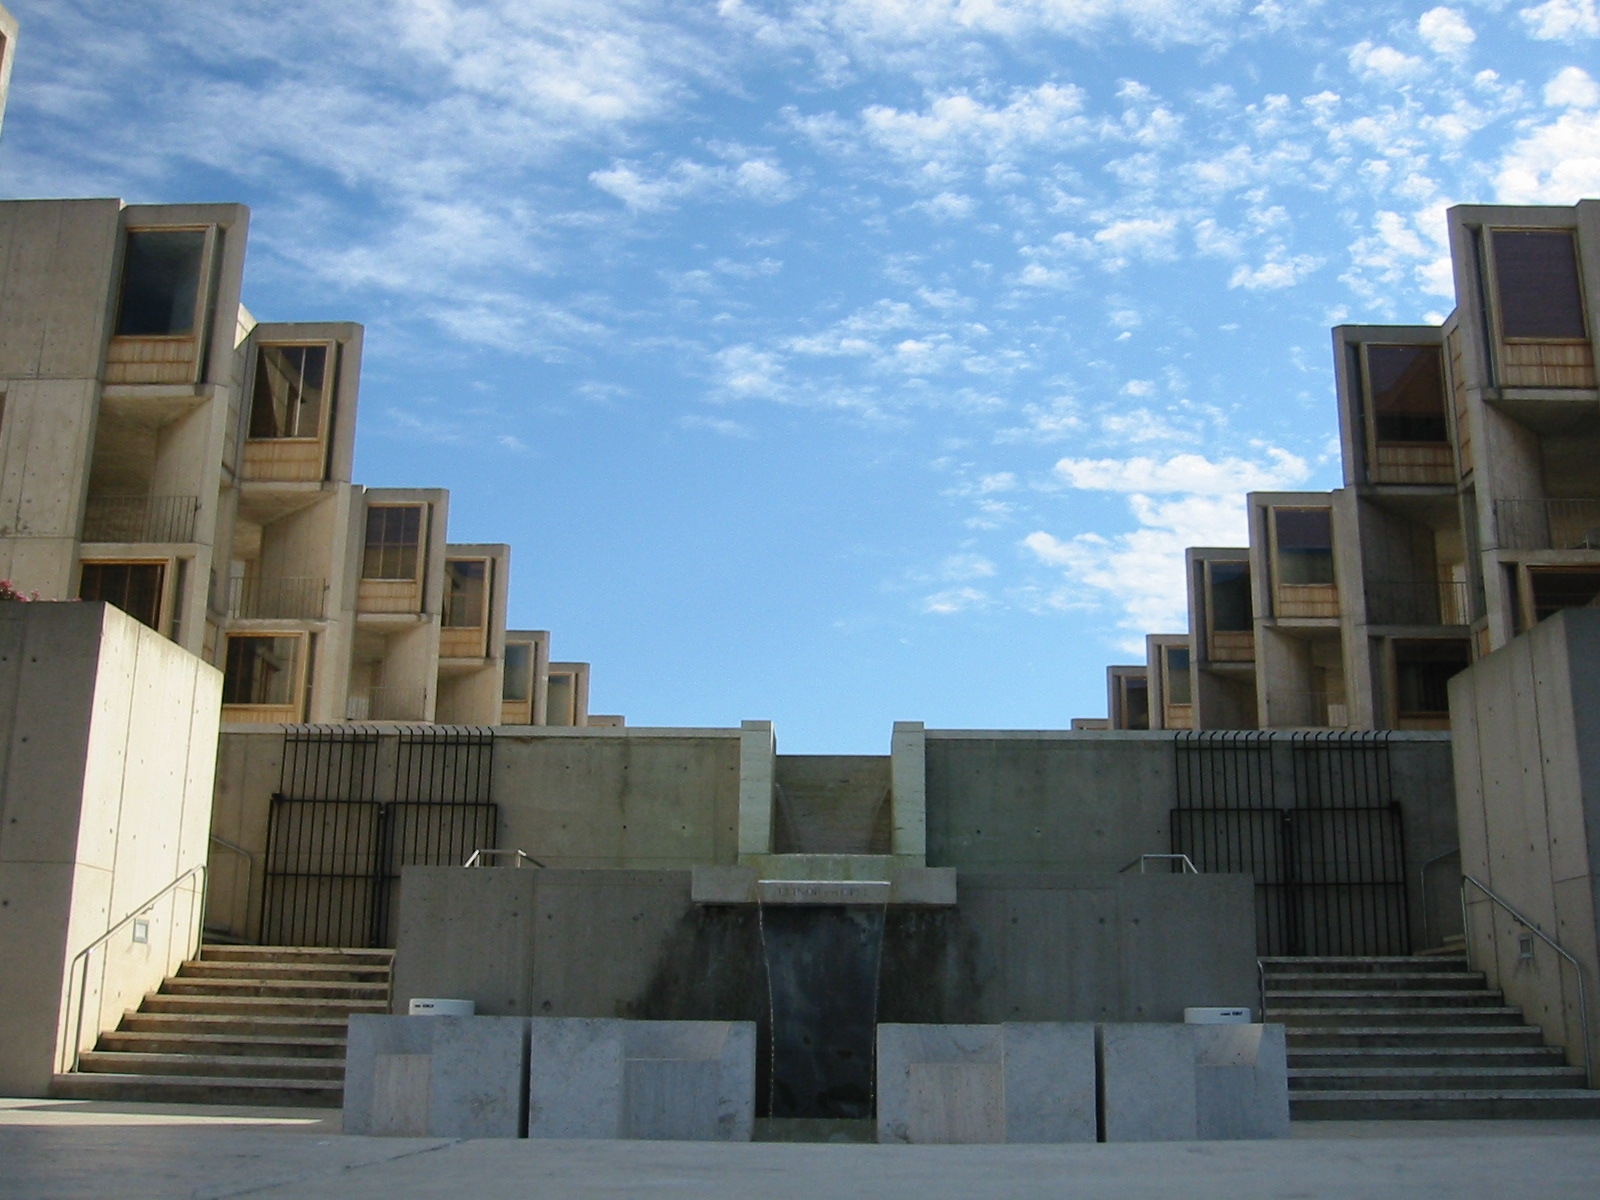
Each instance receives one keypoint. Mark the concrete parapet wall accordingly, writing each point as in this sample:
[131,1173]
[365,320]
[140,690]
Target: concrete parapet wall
[1019,947]
[107,749]
[1527,747]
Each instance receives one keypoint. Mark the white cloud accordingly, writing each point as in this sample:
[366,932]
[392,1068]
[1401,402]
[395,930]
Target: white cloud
[1274,274]
[1383,62]
[1558,163]
[958,127]
[1572,87]
[1186,500]
[758,179]
[1446,32]
[1563,20]
[954,600]
[1185,473]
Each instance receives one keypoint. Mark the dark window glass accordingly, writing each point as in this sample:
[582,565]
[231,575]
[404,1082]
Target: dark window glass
[1304,544]
[518,685]
[466,593]
[135,588]
[1537,274]
[561,699]
[287,402]
[1556,589]
[1231,607]
[1422,671]
[160,282]
[393,534]
[1136,701]
[1407,393]
[1177,674]
[259,670]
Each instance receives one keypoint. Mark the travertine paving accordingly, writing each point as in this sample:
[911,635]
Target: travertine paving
[62,1150]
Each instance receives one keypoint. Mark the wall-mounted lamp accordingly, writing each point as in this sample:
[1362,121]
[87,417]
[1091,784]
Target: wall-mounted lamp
[1524,947]
[141,931]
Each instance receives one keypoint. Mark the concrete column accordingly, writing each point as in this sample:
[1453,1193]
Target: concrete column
[908,790]
[758,753]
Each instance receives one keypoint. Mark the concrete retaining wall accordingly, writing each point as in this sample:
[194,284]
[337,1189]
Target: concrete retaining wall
[107,751]
[1527,726]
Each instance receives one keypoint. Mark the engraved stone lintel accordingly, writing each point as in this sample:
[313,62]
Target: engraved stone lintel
[823,891]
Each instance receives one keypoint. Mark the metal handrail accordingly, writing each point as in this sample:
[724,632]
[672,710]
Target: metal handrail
[249,872]
[1188,865]
[1577,967]
[492,853]
[83,985]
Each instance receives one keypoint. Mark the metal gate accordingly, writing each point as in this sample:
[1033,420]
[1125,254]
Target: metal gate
[334,850]
[1329,864]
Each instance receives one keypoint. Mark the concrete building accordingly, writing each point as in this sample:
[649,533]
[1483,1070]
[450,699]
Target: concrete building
[163,451]
[1470,509]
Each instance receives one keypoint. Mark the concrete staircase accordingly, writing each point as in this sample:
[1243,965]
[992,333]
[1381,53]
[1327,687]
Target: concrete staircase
[1420,1038]
[238,1025]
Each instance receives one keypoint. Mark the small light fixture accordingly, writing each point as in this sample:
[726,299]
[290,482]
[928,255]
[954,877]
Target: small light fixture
[1524,947]
[141,931]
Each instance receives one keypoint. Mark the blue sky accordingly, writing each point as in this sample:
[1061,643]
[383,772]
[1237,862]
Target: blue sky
[839,361]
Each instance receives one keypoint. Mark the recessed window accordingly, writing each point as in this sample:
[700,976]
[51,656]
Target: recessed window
[1423,670]
[1135,702]
[1304,542]
[1407,388]
[260,669]
[517,687]
[1536,275]
[394,533]
[561,699]
[135,588]
[1555,588]
[289,390]
[1177,674]
[1231,607]
[466,593]
[160,282]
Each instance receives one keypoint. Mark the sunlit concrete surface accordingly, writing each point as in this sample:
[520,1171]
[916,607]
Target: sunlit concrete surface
[59,1150]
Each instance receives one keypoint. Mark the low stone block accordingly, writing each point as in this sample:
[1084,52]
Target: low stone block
[1023,1082]
[658,1080]
[435,1076]
[1162,1083]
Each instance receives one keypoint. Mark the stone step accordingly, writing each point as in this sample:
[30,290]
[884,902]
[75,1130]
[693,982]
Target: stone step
[229,1065]
[1434,998]
[1550,1104]
[1309,1037]
[1371,1078]
[296,954]
[1366,965]
[264,1006]
[304,972]
[178,986]
[1360,1058]
[1375,1015]
[184,1022]
[137,1041]
[197,1089]
[1307,981]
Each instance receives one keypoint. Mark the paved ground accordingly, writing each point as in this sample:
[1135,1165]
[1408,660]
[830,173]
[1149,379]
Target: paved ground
[69,1150]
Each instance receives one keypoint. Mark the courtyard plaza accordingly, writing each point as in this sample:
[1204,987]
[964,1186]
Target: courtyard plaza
[77,1150]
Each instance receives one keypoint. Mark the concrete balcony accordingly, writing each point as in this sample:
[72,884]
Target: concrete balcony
[140,518]
[1548,524]
[295,597]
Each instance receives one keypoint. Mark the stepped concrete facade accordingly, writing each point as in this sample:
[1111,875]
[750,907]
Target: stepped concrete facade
[1470,509]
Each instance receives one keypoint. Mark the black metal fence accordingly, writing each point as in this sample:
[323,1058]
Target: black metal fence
[334,850]
[1327,851]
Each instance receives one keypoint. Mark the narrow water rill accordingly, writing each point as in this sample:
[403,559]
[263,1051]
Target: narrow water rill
[822,976]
